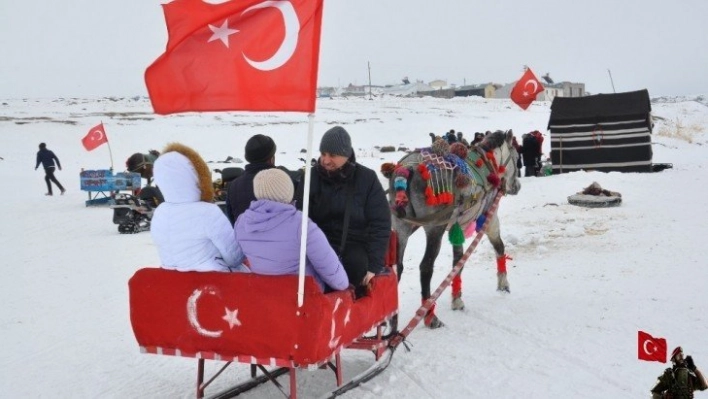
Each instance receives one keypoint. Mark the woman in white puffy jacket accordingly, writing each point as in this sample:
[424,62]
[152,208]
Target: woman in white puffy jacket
[190,231]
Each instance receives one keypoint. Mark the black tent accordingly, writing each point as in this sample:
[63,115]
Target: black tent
[603,132]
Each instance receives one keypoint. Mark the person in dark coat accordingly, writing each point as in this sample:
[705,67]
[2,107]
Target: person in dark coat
[338,182]
[529,153]
[478,137]
[260,155]
[519,150]
[47,158]
[681,380]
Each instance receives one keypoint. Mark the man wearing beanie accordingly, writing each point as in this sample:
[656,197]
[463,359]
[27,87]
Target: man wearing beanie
[348,203]
[266,229]
[260,155]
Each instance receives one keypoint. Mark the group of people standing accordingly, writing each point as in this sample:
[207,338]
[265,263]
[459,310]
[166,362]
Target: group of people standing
[348,227]
[530,149]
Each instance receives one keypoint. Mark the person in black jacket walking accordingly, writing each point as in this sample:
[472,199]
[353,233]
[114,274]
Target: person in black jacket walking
[47,158]
[260,155]
[349,204]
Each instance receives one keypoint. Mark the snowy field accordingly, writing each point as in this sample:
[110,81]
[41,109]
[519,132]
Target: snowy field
[583,281]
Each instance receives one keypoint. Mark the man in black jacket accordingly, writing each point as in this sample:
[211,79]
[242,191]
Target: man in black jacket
[47,159]
[343,189]
[260,155]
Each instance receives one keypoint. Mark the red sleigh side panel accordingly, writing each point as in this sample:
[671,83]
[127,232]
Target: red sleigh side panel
[232,315]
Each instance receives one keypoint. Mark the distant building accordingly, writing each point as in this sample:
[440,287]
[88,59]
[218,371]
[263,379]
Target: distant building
[354,90]
[438,84]
[485,90]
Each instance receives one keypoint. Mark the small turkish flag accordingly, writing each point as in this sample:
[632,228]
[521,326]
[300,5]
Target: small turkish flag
[650,348]
[251,55]
[526,89]
[95,137]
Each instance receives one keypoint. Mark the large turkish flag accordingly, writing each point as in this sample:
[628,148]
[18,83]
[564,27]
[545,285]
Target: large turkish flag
[250,55]
[526,89]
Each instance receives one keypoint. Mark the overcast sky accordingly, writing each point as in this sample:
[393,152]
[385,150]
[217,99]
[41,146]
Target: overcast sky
[52,48]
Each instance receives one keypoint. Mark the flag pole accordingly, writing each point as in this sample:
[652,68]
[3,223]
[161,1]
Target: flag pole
[305,211]
[110,153]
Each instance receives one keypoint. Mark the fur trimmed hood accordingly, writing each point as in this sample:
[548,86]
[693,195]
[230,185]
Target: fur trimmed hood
[182,175]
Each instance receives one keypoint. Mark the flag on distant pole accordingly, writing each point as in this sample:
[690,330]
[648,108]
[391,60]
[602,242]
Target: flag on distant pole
[650,348]
[249,55]
[526,89]
[95,137]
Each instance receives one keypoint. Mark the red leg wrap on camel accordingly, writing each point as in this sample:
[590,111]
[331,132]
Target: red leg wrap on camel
[429,315]
[501,264]
[456,286]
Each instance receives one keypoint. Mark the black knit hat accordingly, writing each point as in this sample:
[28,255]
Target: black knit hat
[337,141]
[259,148]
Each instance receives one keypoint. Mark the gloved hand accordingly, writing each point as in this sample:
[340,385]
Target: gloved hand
[689,363]
[35,168]
[60,168]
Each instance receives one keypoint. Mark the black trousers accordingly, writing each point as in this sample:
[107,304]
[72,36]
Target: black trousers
[49,177]
[356,262]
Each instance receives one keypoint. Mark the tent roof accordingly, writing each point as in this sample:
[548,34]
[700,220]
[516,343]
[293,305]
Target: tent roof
[600,106]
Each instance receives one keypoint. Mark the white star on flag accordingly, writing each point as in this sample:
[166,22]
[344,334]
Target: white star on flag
[222,32]
[231,317]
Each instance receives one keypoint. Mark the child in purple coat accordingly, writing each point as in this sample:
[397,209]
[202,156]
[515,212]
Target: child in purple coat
[269,235]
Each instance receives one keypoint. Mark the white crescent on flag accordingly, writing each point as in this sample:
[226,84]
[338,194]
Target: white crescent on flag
[98,136]
[533,83]
[192,312]
[646,349]
[289,43]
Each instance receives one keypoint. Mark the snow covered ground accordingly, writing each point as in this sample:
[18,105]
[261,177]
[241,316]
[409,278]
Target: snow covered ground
[583,281]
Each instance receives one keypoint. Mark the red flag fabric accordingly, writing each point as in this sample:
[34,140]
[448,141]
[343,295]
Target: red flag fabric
[95,137]
[251,55]
[526,89]
[650,348]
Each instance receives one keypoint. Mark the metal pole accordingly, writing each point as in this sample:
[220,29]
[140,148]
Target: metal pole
[305,212]
[611,81]
[368,64]
[110,153]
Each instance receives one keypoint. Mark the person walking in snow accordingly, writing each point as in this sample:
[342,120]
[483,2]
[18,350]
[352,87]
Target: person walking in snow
[266,229]
[681,380]
[47,158]
[190,231]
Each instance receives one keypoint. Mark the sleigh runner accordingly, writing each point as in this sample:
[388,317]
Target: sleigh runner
[255,319]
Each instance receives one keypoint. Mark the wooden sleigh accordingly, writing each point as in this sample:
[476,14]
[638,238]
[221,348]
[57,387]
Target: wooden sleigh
[255,319]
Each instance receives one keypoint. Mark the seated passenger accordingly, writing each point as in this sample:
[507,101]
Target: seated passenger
[269,234]
[190,231]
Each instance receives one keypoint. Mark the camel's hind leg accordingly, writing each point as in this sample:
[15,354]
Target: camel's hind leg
[494,235]
[433,238]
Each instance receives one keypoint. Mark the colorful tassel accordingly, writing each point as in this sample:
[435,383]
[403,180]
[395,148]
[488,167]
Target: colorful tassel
[493,179]
[479,163]
[456,235]
[480,222]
